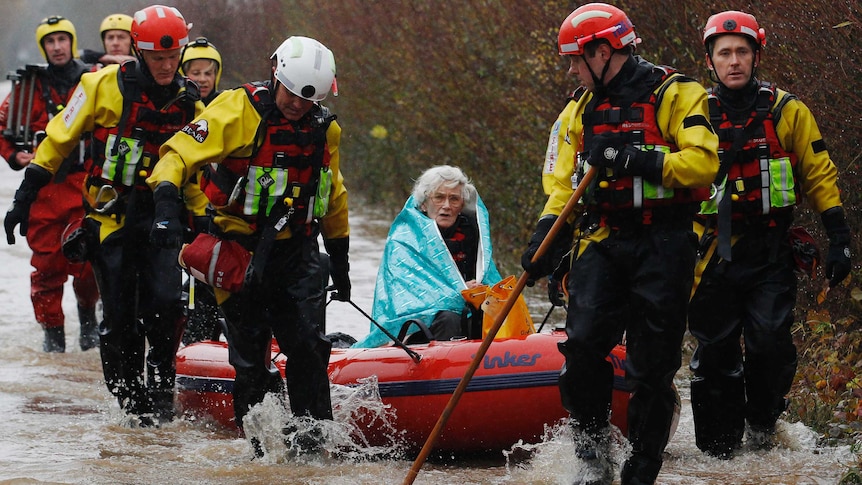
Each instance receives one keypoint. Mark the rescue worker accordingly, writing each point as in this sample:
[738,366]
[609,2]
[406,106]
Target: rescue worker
[202,64]
[273,178]
[130,109]
[772,156]
[58,204]
[645,130]
[116,40]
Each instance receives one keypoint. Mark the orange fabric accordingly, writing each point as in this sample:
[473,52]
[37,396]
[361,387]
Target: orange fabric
[492,299]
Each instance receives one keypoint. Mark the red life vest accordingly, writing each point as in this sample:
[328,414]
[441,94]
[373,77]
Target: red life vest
[289,164]
[55,101]
[761,178]
[638,126]
[123,156]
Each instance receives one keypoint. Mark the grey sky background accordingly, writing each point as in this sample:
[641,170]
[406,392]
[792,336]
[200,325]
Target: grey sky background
[19,18]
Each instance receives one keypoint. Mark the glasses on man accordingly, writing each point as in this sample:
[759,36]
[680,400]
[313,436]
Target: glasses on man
[441,199]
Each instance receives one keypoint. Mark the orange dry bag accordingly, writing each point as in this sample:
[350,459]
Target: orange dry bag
[518,322]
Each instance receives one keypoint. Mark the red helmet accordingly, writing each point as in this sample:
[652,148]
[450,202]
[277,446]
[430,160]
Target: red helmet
[734,22]
[159,28]
[595,21]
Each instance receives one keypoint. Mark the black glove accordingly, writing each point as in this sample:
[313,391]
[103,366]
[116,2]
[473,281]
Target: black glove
[609,150]
[13,162]
[35,177]
[167,231]
[198,225]
[339,267]
[837,265]
[545,264]
[201,224]
[555,291]
[77,243]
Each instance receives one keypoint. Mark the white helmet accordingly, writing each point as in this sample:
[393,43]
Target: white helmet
[305,67]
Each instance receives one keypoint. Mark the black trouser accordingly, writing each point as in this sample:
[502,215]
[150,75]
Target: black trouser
[203,320]
[141,288]
[753,297]
[637,282]
[287,304]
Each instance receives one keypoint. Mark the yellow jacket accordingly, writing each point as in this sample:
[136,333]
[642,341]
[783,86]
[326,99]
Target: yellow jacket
[233,122]
[559,147]
[695,164]
[96,102]
[797,132]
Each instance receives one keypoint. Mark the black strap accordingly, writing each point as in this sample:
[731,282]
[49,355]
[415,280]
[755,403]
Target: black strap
[725,221]
[402,334]
[275,222]
[129,89]
[471,321]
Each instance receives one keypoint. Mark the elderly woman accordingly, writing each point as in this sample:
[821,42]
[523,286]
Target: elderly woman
[438,245]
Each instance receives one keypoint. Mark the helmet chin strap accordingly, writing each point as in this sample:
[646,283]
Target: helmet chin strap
[273,82]
[599,81]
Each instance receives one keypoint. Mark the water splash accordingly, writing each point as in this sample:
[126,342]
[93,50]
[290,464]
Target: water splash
[357,412]
[552,459]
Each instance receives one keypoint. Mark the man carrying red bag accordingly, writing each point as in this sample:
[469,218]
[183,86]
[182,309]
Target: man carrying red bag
[270,154]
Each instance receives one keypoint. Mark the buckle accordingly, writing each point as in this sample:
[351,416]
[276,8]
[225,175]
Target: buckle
[114,197]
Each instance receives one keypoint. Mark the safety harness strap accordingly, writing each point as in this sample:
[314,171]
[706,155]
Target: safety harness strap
[762,110]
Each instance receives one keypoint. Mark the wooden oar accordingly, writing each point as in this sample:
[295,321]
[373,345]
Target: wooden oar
[498,322]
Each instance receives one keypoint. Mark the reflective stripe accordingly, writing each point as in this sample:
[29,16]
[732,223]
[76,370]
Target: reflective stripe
[213,263]
[638,192]
[782,193]
[122,167]
[553,148]
[764,186]
[324,189]
[656,191]
[264,181]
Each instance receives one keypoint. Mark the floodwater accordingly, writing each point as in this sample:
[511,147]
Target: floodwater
[58,424]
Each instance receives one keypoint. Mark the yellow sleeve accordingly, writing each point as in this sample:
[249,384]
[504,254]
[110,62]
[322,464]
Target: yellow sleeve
[225,128]
[558,184]
[798,133]
[683,118]
[96,101]
[334,224]
[558,147]
[194,198]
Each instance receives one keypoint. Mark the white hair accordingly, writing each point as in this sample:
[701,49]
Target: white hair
[444,176]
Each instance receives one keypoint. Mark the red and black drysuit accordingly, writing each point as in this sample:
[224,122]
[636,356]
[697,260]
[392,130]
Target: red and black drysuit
[129,116]
[58,203]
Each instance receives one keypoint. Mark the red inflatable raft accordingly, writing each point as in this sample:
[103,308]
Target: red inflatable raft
[511,397]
